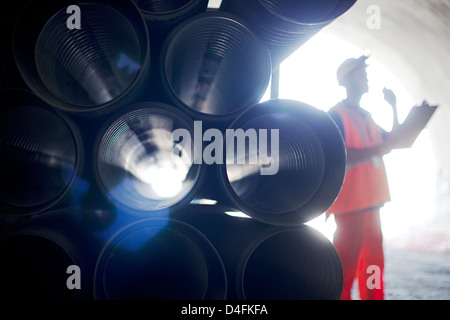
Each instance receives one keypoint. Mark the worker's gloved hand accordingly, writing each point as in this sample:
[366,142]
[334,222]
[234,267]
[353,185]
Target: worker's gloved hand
[390,97]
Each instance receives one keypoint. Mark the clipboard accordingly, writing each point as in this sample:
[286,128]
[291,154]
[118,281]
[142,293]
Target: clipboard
[415,122]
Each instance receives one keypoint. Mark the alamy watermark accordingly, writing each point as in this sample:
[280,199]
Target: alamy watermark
[74,280]
[241,147]
[74,21]
[373,21]
[374,280]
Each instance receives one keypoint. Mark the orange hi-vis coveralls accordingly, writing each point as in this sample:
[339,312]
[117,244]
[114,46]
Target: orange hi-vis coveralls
[358,237]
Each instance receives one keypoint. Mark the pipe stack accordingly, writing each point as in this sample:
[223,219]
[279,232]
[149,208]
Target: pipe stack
[286,25]
[126,122]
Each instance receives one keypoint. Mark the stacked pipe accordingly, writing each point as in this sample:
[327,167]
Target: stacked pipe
[267,262]
[125,124]
[41,154]
[286,25]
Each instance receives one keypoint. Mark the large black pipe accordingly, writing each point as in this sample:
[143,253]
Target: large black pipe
[2,64]
[165,14]
[37,253]
[285,25]
[266,262]
[40,154]
[288,175]
[92,70]
[9,75]
[159,259]
[213,65]
[34,266]
[139,165]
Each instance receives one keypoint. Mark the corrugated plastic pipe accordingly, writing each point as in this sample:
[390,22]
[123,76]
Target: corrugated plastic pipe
[214,66]
[41,153]
[284,162]
[168,13]
[159,259]
[265,262]
[285,25]
[93,70]
[139,165]
[34,265]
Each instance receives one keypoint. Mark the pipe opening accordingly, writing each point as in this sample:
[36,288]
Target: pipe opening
[310,269]
[161,6]
[285,25]
[292,172]
[34,267]
[37,166]
[2,64]
[93,65]
[148,260]
[12,10]
[300,11]
[300,166]
[216,66]
[139,164]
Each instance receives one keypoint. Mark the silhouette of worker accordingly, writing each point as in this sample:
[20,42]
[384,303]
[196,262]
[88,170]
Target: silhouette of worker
[358,237]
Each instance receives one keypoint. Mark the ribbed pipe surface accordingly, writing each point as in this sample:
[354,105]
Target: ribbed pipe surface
[169,12]
[214,65]
[304,170]
[266,262]
[40,154]
[161,5]
[139,165]
[285,25]
[34,265]
[159,259]
[95,69]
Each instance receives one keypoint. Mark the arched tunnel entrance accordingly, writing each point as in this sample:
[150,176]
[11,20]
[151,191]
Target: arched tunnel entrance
[309,75]
[412,40]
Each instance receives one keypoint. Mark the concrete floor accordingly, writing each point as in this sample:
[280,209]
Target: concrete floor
[411,275]
[417,264]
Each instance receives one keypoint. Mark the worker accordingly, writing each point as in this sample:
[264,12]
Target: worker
[358,236]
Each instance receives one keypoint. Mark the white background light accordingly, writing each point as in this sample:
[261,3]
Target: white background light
[309,75]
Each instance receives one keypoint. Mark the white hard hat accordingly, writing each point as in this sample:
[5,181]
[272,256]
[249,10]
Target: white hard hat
[348,66]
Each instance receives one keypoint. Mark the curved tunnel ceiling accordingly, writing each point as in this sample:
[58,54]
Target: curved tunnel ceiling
[413,41]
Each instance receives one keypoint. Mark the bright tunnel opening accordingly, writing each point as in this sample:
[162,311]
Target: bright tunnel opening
[309,75]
